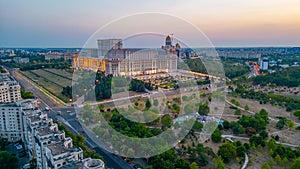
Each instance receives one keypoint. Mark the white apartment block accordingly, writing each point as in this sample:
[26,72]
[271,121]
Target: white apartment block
[11,122]
[9,89]
[50,147]
[42,139]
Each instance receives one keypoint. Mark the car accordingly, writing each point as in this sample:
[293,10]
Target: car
[47,108]
[69,111]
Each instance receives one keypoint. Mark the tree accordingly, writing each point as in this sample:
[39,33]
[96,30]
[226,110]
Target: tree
[240,151]
[3,143]
[290,124]
[194,165]
[285,162]
[8,160]
[220,163]
[226,124]
[26,95]
[166,121]
[197,126]
[257,140]
[246,107]
[216,136]
[182,163]
[280,124]
[296,164]
[148,104]
[278,159]
[227,151]
[238,112]
[103,85]
[297,114]
[263,134]
[203,109]
[272,144]
[265,166]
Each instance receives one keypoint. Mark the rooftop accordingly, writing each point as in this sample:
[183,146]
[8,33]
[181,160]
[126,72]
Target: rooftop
[59,148]
[45,131]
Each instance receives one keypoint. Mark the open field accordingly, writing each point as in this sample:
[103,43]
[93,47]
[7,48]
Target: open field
[49,81]
[64,74]
[59,80]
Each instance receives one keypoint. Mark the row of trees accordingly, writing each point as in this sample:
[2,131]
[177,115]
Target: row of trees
[232,70]
[289,77]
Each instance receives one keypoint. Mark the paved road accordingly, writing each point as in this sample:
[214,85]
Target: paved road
[44,98]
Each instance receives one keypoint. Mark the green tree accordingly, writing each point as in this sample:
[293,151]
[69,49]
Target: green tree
[263,134]
[203,109]
[197,126]
[238,112]
[246,107]
[278,159]
[182,163]
[8,160]
[166,121]
[265,166]
[148,103]
[296,164]
[220,163]
[194,165]
[240,151]
[227,151]
[216,136]
[226,124]
[297,114]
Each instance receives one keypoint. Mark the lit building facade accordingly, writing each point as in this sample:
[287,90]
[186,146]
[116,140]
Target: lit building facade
[115,60]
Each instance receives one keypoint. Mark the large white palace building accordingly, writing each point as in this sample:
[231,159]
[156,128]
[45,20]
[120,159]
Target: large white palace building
[116,60]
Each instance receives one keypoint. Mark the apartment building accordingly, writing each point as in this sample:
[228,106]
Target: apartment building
[9,89]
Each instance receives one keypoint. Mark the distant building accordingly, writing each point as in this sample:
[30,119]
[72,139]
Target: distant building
[9,89]
[20,60]
[70,55]
[105,45]
[264,63]
[133,62]
[130,62]
[54,56]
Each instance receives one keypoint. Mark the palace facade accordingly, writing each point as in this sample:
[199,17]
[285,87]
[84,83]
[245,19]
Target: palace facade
[116,60]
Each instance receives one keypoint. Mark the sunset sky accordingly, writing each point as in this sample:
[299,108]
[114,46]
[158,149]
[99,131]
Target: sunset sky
[58,23]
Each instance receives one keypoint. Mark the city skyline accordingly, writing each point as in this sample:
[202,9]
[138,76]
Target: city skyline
[231,23]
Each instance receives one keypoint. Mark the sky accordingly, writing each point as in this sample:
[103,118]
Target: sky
[230,23]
